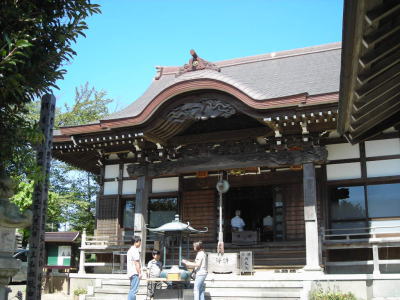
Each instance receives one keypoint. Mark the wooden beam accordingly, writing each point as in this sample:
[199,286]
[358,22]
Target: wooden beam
[376,54]
[382,91]
[377,14]
[389,99]
[227,135]
[378,81]
[379,67]
[215,162]
[376,36]
[381,112]
[375,126]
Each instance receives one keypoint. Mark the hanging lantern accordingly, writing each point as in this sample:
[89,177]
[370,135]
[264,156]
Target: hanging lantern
[222,186]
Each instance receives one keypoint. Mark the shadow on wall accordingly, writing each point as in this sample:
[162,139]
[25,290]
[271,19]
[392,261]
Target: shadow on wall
[55,282]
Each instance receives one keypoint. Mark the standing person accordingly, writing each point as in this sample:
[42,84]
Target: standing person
[200,269]
[133,266]
[154,268]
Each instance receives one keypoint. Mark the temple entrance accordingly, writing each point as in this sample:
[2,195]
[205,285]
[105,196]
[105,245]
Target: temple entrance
[256,206]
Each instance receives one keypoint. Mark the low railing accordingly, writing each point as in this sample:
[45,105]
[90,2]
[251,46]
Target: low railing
[362,237]
[117,246]
[97,241]
[361,233]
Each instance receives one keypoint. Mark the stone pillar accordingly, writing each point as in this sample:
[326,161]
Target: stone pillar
[310,219]
[141,203]
[82,254]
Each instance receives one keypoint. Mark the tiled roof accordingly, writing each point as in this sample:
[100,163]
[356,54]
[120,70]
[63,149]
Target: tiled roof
[311,70]
[61,237]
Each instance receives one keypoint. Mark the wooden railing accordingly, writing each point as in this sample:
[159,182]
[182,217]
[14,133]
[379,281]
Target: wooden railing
[363,237]
[116,245]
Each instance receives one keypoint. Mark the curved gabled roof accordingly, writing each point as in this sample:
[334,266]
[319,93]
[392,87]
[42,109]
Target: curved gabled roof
[307,76]
[312,71]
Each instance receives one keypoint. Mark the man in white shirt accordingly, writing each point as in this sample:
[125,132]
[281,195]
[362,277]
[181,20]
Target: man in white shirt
[134,268]
[237,222]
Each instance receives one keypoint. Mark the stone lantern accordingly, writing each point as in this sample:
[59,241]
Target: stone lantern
[10,219]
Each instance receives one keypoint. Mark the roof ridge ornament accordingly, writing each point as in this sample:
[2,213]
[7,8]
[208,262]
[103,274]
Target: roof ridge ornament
[196,63]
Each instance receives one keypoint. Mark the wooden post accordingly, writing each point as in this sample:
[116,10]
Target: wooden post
[310,218]
[40,196]
[82,254]
[141,203]
[375,256]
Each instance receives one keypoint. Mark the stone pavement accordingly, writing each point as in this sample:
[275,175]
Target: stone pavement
[22,287]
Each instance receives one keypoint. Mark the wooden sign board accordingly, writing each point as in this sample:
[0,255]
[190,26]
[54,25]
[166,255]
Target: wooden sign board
[226,263]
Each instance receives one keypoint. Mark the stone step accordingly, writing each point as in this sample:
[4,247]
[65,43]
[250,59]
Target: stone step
[220,284]
[217,294]
[231,288]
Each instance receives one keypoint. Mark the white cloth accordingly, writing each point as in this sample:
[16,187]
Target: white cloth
[237,222]
[201,259]
[267,221]
[132,256]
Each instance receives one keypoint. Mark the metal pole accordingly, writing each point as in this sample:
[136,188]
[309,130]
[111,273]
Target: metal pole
[180,250]
[220,247]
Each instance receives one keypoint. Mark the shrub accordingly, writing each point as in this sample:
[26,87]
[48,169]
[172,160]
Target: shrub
[80,291]
[320,294]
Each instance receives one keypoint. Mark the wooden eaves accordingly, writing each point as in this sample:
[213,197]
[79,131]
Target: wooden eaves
[369,99]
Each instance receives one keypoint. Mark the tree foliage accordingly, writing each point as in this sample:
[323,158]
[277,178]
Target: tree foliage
[35,42]
[90,105]
[73,192]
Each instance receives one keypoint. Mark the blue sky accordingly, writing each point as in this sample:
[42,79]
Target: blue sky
[131,37]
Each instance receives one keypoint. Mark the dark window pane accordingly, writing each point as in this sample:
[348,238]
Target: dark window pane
[129,214]
[355,227]
[383,200]
[347,203]
[162,210]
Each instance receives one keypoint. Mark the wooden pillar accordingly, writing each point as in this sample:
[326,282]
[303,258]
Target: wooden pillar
[141,203]
[39,201]
[375,255]
[310,219]
[82,254]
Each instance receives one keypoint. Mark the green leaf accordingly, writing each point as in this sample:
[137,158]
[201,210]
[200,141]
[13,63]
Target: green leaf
[23,44]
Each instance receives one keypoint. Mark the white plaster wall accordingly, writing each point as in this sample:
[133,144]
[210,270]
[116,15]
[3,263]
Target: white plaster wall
[343,171]
[125,170]
[378,168]
[343,151]
[168,184]
[129,187]
[111,188]
[111,171]
[382,147]
[385,223]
